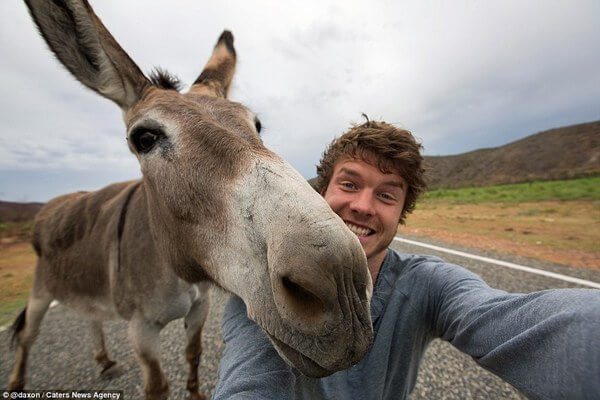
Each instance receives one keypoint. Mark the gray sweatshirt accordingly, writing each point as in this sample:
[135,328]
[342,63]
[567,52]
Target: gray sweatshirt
[546,344]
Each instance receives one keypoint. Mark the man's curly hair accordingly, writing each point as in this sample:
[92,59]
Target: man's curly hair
[378,143]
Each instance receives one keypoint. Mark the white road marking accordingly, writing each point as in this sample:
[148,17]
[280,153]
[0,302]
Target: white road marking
[503,263]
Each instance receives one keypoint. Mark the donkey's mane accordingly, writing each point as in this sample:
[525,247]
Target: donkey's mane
[165,80]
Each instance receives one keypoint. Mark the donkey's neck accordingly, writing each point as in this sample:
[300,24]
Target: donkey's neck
[154,237]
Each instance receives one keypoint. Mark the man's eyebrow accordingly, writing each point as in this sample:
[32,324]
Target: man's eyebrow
[350,172]
[398,184]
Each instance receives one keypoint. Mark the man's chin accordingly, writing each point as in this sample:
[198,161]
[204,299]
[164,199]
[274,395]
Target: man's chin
[369,247]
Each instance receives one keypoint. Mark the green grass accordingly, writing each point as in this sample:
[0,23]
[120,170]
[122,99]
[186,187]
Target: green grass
[572,189]
[10,309]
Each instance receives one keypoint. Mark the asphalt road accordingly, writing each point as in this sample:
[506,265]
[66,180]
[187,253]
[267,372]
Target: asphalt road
[61,357]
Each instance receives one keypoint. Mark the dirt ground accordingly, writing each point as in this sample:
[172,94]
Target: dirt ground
[17,262]
[559,232]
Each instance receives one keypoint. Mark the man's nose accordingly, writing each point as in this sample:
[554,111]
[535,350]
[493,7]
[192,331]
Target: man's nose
[362,203]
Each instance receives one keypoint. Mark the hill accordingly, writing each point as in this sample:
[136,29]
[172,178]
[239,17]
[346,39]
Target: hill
[18,212]
[560,153]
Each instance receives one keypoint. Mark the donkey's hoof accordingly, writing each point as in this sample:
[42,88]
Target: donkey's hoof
[196,396]
[157,392]
[157,396]
[111,370]
[108,365]
[15,386]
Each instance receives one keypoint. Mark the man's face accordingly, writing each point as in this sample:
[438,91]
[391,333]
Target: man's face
[369,201]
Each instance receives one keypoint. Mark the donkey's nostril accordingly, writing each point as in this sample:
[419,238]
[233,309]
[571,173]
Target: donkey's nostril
[302,300]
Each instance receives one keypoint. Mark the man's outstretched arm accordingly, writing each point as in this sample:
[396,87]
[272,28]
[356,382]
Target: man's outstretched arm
[546,343]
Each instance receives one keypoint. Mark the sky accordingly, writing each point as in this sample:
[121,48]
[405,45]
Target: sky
[460,75]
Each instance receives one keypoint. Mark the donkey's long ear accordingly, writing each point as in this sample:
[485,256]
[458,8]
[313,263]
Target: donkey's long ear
[218,71]
[85,47]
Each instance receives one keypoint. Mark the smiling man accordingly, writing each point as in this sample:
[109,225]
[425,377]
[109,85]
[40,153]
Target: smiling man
[372,177]
[543,343]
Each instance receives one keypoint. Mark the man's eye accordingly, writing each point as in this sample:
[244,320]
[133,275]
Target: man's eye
[387,197]
[348,185]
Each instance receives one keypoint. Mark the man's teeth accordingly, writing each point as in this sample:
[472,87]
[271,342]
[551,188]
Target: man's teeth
[357,230]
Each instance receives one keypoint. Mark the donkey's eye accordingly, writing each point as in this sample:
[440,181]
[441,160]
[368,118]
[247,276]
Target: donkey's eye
[145,139]
[257,125]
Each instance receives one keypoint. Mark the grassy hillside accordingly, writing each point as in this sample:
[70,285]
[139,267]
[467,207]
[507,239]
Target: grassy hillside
[573,189]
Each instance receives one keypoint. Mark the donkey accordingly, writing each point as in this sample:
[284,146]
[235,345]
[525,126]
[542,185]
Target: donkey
[213,205]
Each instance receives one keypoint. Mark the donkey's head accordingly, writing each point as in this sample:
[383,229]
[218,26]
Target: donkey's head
[221,206]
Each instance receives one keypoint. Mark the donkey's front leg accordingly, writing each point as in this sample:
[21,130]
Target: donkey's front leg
[194,321]
[144,336]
